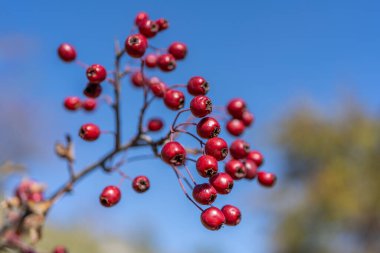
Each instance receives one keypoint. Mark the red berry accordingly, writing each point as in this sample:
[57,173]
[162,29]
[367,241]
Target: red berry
[256,157]
[178,50]
[266,178]
[155,124]
[173,153]
[72,103]
[222,182]
[204,194]
[110,196]
[136,45]
[247,118]
[216,147]
[174,99]
[89,104]
[166,62]
[141,17]
[212,218]
[207,166]
[162,23]
[239,149]
[96,73]
[201,106]
[232,214]
[235,127]
[67,52]
[89,132]
[151,60]
[251,169]
[158,88]
[148,28]
[141,184]
[235,169]
[208,128]
[60,249]
[93,90]
[137,79]
[197,85]
[236,107]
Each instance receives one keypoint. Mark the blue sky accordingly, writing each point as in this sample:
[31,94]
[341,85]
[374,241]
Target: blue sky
[271,53]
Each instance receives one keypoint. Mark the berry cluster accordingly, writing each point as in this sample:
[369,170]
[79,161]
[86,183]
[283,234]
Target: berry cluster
[203,125]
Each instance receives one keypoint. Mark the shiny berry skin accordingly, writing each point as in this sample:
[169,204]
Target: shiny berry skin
[222,182]
[166,62]
[89,104]
[110,196]
[204,194]
[72,103]
[155,125]
[247,118]
[148,28]
[236,107]
[137,79]
[93,90]
[141,17]
[136,45]
[158,88]
[251,169]
[207,166]
[174,99]
[235,127]
[212,218]
[162,23]
[201,106]
[266,179]
[89,132]
[208,127]
[197,85]
[67,52]
[256,157]
[239,149]
[141,184]
[96,73]
[232,215]
[60,249]
[151,60]
[216,147]
[173,153]
[235,169]
[178,50]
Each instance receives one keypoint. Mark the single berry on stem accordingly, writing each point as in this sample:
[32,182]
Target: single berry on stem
[251,169]
[158,88]
[141,184]
[162,23]
[93,90]
[166,62]
[204,194]
[96,73]
[247,118]
[236,107]
[201,106]
[232,215]
[141,17]
[89,132]
[239,149]
[197,85]
[212,218]
[235,169]
[136,45]
[266,179]
[222,182]
[67,52]
[178,50]
[173,153]
[174,99]
[110,196]
[151,60]
[148,28]
[256,157]
[208,127]
[137,79]
[216,147]
[155,124]
[207,166]
[235,127]
[72,103]
[89,104]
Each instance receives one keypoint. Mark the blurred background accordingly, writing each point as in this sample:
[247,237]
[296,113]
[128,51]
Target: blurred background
[309,71]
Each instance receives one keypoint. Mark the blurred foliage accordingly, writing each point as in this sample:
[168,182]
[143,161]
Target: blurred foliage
[333,173]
